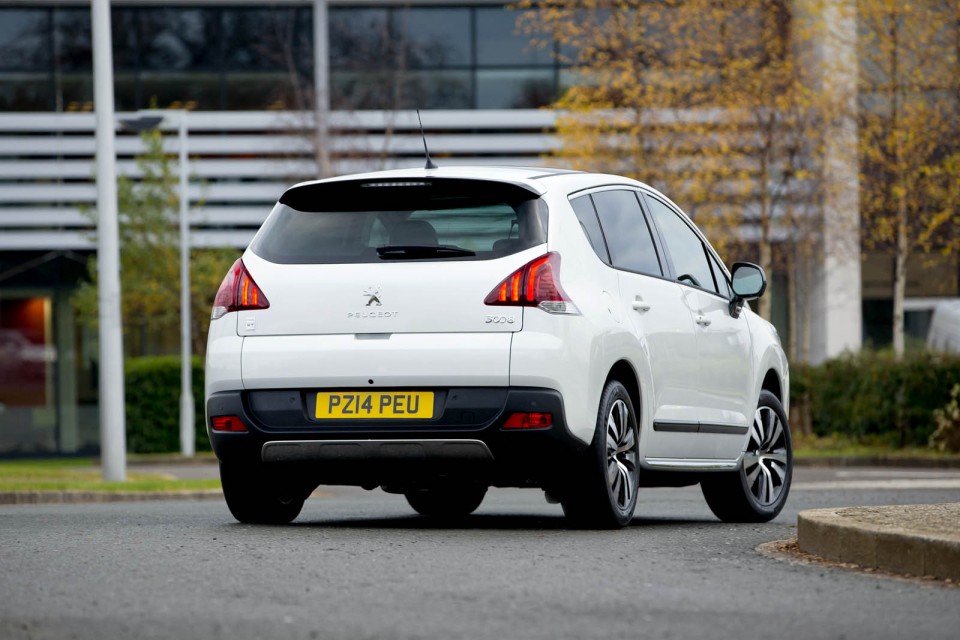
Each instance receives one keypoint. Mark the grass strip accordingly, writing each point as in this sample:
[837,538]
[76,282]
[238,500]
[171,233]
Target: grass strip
[73,474]
[835,446]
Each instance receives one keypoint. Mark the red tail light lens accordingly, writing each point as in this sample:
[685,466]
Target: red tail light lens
[529,421]
[535,284]
[228,423]
[238,291]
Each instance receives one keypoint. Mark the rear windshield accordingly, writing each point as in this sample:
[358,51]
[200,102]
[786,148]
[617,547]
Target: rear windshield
[354,222]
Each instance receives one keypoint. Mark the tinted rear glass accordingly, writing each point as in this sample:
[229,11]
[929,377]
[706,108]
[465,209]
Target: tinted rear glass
[348,222]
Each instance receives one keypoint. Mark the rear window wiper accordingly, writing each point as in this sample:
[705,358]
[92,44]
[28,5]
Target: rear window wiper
[414,251]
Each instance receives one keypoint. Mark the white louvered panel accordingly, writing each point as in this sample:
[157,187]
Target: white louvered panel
[285,120]
[227,215]
[18,217]
[77,193]
[20,240]
[82,239]
[131,145]
[240,162]
[290,145]
[79,169]
[239,238]
[67,193]
[13,217]
[346,166]
[266,192]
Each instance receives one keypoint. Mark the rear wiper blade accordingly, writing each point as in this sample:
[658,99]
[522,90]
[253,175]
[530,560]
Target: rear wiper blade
[413,251]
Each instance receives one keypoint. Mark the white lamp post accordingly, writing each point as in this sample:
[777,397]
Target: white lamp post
[146,121]
[113,451]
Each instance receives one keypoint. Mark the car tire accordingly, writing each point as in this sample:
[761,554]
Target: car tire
[446,502]
[605,494]
[257,497]
[757,491]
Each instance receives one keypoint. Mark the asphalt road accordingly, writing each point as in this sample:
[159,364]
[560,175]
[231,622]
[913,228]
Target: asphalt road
[357,564]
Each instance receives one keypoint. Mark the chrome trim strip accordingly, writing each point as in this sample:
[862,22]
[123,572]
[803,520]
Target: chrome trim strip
[694,464]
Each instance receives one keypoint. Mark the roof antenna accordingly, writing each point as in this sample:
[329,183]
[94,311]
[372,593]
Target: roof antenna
[429,164]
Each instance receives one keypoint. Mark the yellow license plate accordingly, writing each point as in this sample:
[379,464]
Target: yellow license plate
[375,405]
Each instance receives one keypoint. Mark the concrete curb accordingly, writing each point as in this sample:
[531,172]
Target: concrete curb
[879,461]
[76,497]
[917,540]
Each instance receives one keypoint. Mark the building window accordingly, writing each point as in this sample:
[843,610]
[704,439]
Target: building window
[216,57]
[436,58]
[25,60]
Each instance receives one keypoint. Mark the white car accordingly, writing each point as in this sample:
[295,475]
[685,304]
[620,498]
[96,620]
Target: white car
[436,332]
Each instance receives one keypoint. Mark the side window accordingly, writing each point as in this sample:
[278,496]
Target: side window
[684,246]
[720,278]
[587,216]
[625,228]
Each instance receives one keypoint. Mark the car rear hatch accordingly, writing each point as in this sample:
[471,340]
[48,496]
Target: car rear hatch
[383,283]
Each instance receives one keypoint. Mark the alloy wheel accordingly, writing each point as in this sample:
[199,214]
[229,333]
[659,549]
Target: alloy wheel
[765,462]
[622,455]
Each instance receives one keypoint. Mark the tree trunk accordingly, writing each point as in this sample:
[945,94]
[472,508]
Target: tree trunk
[807,334]
[899,195]
[765,304]
[792,306]
[900,277]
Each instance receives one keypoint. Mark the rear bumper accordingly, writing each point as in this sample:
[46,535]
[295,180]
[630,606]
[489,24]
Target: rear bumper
[466,441]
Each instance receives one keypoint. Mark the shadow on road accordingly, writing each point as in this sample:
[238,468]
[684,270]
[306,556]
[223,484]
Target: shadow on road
[486,522]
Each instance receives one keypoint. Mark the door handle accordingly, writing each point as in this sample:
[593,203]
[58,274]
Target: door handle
[703,321]
[640,305]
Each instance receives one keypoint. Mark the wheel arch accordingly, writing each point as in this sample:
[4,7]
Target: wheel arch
[771,383]
[623,372]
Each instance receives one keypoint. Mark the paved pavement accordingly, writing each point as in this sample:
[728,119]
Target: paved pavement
[919,540]
[359,564]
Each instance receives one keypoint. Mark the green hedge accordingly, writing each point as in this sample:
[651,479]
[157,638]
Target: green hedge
[153,404]
[867,395]
[871,395]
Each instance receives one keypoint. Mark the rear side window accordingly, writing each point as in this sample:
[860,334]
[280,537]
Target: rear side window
[356,222]
[625,228]
[587,216]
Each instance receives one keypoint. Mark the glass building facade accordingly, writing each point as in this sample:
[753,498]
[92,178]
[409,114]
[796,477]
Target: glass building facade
[243,57]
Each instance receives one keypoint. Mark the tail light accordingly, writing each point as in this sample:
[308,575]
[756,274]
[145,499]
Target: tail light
[535,284]
[529,421]
[228,423]
[238,291]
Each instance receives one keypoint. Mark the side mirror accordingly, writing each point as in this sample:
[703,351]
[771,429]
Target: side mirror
[748,282]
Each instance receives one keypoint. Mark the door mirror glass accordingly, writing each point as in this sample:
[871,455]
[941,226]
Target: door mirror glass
[749,281]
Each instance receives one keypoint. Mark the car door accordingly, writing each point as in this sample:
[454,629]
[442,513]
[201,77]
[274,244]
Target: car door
[726,342]
[659,314]
[724,371]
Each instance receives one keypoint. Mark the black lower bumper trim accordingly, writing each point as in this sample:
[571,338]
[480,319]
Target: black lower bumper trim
[369,450]
[371,453]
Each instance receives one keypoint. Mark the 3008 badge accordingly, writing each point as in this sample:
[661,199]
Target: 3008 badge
[499,320]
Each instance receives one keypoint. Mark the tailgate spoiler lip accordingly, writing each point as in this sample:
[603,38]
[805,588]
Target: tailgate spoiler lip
[316,187]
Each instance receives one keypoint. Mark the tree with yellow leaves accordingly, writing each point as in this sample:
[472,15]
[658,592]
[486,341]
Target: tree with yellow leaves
[909,122]
[703,99]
